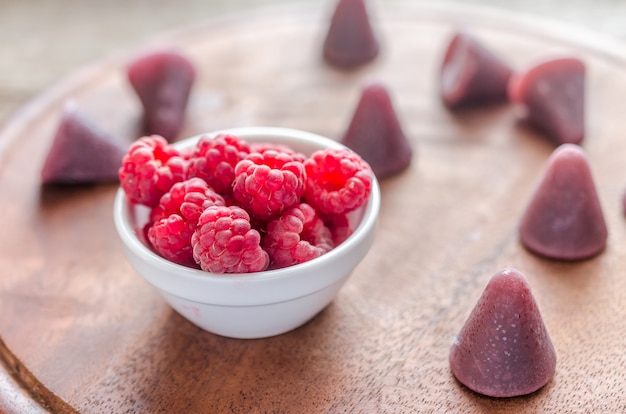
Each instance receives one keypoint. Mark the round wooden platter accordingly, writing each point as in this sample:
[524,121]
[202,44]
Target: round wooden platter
[81,331]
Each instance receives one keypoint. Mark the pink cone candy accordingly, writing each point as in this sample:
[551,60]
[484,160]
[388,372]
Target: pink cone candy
[163,83]
[350,40]
[504,349]
[81,152]
[471,74]
[553,94]
[376,134]
[564,219]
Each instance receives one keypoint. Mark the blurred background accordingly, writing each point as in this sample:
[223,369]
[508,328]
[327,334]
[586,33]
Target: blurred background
[43,41]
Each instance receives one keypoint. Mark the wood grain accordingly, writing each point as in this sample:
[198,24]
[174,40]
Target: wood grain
[98,339]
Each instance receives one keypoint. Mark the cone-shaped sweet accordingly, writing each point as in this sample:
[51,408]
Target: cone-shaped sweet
[564,219]
[163,82]
[350,40]
[504,349]
[376,135]
[471,74]
[81,152]
[553,95]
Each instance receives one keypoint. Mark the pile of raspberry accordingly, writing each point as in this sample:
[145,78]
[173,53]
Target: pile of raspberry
[230,206]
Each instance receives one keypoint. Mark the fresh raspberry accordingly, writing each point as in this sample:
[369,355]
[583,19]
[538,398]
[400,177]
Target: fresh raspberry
[224,242]
[214,159]
[297,236]
[187,198]
[340,227]
[268,183]
[338,181]
[149,169]
[176,217]
[171,238]
[262,147]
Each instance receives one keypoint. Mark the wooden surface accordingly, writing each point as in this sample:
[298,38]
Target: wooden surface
[82,332]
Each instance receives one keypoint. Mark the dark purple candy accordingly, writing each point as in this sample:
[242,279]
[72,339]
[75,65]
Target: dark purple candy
[376,134]
[564,219]
[163,82]
[81,152]
[471,74]
[504,349]
[350,40]
[553,95]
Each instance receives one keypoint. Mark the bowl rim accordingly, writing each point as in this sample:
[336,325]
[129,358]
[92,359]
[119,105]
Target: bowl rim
[127,232]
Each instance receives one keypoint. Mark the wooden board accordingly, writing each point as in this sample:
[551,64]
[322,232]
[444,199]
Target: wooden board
[82,332]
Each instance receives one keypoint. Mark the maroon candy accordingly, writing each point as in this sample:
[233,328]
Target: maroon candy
[471,74]
[564,219]
[163,82]
[376,134]
[350,40]
[504,349]
[553,94]
[81,152]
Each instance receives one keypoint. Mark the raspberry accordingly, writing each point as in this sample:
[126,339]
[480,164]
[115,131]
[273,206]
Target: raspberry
[338,181]
[171,238]
[268,183]
[214,160]
[297,236]
[224,242]
[340,227]
[176,217]
[187,198]
[149,169]
[262,147]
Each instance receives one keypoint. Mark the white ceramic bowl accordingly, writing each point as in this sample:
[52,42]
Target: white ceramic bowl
[259,304]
